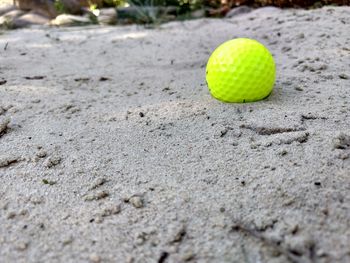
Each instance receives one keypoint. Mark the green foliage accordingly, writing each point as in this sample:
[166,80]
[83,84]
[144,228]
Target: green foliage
[7,24]
[59,6]
[190,4]
[92,6]
[115,2]
[145,14]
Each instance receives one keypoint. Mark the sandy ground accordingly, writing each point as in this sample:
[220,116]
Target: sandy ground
[112,149]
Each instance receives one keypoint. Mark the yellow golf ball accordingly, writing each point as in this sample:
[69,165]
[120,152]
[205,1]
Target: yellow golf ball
[241,70]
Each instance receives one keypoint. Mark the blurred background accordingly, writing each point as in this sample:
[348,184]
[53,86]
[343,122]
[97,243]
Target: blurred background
[23,13]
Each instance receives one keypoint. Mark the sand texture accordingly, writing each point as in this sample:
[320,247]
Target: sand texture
[113,150]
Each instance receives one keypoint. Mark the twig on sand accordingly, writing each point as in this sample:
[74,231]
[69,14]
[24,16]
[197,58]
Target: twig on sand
[292,257]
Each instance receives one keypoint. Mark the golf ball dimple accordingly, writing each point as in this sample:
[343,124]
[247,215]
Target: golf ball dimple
[241,70]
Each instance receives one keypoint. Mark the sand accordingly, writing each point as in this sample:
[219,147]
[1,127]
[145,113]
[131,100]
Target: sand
[113,150]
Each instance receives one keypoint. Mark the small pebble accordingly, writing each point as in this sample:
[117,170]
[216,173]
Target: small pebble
[98,182]
[344,156]
[96,196]
[94,258]
[342,141]
[21,246]
[136,201]
[343,76]
[67,241]
[41,154]
[178,235]
[111,210]
[53,161]
[189,255]
[283,152]
[36,200]
[300,36]
[288,202]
